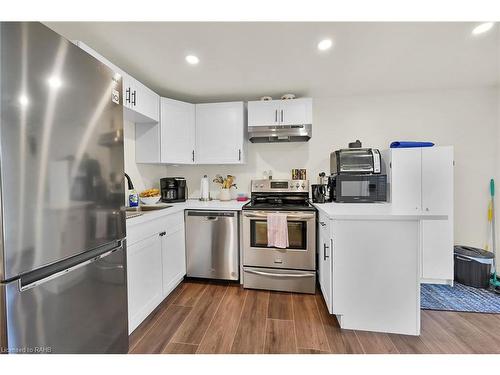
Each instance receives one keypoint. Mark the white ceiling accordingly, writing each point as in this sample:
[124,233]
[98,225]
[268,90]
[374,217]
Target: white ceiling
[242,61]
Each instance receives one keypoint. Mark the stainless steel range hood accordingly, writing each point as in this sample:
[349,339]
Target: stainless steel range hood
[284,133]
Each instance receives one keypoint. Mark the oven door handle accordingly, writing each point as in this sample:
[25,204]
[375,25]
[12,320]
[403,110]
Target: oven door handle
[295,275]
[299,217]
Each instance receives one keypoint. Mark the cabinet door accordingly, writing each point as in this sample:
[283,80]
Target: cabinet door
[325,261]
[177,131]
[295,112]
[173,259]
[263,113]
[220,133]
[146,102]
[144,279]
[437,250]
[437,180]
[406,179]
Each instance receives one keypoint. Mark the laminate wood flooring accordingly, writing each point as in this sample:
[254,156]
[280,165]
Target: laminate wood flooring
[221,317]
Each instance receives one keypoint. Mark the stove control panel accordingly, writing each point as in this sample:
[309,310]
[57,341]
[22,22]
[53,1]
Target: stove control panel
[280,186]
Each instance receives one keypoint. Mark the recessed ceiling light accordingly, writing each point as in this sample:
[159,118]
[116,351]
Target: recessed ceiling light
[23,100]
[192,59]
[325,44]
[55,82]
[482,28]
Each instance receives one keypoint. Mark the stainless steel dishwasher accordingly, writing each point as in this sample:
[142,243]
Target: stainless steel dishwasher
[212,244]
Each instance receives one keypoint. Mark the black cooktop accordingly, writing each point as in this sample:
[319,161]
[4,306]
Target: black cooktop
[279,203]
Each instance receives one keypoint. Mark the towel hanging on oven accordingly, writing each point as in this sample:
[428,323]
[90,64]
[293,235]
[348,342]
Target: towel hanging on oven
[277,230]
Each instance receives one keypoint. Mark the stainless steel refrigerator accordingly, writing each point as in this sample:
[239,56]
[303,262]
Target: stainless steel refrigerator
[63,282]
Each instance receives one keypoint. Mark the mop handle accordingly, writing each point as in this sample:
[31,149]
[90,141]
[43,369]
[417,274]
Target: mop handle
[492,188]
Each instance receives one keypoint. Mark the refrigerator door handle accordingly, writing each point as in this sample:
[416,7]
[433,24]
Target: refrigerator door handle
[23,285]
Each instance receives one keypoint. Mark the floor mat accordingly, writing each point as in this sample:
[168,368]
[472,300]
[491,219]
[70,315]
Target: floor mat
[459,298]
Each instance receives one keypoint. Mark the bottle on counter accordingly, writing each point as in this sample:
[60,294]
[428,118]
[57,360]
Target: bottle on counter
[133,197]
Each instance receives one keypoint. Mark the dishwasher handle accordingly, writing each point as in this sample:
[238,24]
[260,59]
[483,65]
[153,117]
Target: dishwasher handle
[213,215]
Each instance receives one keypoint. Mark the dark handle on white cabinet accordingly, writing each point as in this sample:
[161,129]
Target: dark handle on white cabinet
[275,115]
[322,224]
[239,154]
[324,251]
[134,97]
[127,95]
[281,115]
[193,156]
[162,234]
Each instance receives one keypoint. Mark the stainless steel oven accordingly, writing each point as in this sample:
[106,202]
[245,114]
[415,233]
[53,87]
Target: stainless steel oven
[300,253]
[291,269]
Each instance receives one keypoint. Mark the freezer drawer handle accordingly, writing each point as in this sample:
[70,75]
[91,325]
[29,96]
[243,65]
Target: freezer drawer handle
[262,273]
[53,276]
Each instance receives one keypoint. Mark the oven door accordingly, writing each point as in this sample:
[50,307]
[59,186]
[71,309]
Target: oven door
[299,255]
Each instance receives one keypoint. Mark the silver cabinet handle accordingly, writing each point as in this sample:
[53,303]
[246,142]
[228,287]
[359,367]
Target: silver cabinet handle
[296,275]
[324,251]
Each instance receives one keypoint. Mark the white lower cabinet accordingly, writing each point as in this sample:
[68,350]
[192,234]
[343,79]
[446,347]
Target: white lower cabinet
[173,259]
[144,279]
[325,261]
[156,264]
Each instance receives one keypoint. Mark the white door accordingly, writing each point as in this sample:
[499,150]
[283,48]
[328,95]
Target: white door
[264,113]
[325,261]
[174,259]
[219,133]
[437,250]
[177,132]
[146,102]
[295,112]
[144,279]
[406,179]
[437,180]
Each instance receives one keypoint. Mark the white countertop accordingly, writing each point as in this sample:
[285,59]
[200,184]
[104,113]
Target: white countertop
[190,204]
[370,211]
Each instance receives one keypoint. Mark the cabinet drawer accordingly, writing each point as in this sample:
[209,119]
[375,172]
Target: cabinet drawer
[139,232]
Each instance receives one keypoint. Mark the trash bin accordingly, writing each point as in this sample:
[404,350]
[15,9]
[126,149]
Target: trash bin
[473,266]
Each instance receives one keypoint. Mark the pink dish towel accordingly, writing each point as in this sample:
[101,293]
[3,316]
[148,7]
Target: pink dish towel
[277,230]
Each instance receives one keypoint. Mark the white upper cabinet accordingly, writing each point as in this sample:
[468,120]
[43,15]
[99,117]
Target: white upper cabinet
[263,113]
[437,180]
[280,112]
[406,179]
[220,133]
[177,132]
[142,105]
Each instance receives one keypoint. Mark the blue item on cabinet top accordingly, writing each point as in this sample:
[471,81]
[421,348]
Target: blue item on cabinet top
[408,144]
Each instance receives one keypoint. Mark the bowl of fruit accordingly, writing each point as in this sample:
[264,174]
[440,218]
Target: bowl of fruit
[150,196]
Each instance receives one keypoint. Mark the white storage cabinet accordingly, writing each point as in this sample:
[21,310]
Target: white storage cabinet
[421,181]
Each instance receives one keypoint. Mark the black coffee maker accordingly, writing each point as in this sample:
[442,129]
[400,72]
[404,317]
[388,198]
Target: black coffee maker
[173,189]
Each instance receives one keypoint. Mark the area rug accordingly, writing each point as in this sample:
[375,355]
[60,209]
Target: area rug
[459,298]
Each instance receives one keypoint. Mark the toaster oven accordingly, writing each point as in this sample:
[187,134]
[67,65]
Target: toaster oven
[355,160]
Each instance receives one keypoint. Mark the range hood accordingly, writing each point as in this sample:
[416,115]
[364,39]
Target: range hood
[283,133]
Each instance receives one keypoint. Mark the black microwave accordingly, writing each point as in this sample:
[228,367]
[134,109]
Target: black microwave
[358,188]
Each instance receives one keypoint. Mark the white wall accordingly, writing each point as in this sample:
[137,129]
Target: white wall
[467,119]
[143,176]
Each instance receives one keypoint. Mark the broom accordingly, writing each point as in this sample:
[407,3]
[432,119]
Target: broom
[495,283]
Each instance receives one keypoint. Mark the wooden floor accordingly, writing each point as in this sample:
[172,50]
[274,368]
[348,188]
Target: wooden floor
[201,317]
